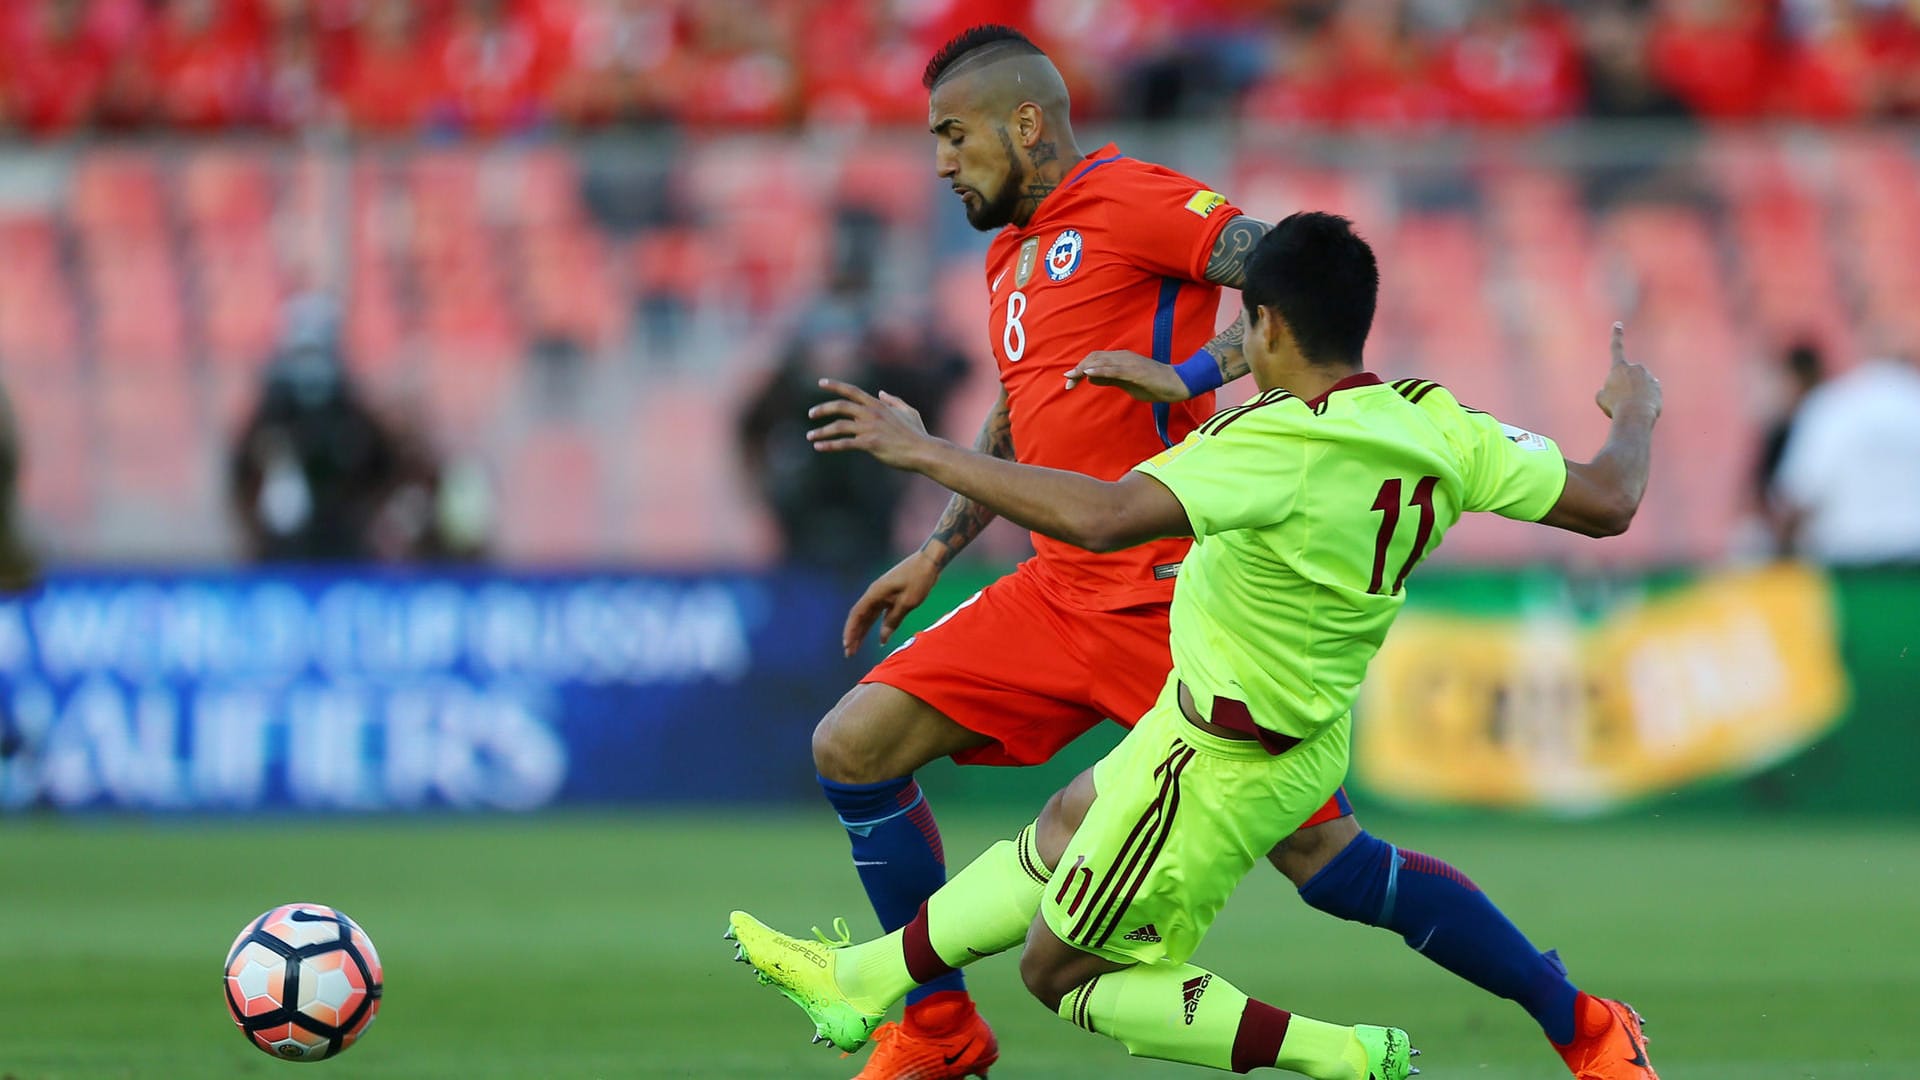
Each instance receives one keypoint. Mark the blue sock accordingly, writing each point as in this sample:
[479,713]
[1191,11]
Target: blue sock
[1447,919]
[896,849]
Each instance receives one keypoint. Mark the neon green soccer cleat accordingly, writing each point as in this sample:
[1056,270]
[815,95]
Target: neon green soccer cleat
[803,971]
[1389,1053]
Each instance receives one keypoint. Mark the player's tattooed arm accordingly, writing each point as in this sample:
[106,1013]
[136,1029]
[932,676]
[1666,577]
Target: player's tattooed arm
[1227,265]
[1228,349]
[964,518]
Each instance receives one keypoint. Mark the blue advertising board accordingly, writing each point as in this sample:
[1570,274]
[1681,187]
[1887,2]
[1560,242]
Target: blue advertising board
[372,690]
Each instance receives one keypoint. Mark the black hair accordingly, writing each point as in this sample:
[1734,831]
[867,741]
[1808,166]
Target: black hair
[1317,273]
[976,37]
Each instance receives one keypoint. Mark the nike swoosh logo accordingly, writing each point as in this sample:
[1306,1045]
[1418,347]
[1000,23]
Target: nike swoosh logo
[995,287]
[960,1053]
[1639,1048]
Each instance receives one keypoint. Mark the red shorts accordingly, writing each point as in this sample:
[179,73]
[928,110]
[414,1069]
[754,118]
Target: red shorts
[1014,664]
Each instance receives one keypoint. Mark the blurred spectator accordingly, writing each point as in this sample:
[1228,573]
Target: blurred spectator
[57,60]
[1829,72]
[1382,78]
[836,511]
[387,86]
[1715,55]
[202,66]
[1802,370]
[18,567]
[506,65]
[1619,72]
[1517,62]
[496,62]
[1849,478]
[316,474]
[619,50]
[293,93]
[740,67]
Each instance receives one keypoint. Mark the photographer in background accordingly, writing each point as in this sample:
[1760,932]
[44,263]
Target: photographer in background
[317,475]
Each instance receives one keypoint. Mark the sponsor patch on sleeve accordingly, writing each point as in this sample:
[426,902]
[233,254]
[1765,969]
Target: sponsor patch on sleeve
[1522,438]
[1205,202]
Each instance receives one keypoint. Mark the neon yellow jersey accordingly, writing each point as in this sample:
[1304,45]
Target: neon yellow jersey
[1307,517]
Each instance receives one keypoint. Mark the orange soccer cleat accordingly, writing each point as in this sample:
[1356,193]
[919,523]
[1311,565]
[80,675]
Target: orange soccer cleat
[1607,1043]
[937,1047]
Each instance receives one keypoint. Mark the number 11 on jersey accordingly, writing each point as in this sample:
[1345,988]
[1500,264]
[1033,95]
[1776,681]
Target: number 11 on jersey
[1388,503]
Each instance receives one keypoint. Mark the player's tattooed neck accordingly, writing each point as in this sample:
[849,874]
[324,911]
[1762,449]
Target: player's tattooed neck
[1031,196]
[1043,154]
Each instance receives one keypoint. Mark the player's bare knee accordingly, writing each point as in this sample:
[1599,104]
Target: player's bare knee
[1309,850]
[1062,816]
[840,751]
[1046,980]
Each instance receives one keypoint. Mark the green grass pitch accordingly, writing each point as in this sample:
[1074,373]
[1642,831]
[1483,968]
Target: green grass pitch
[590,947]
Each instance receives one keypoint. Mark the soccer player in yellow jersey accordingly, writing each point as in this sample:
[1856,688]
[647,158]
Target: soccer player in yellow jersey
[1309,504]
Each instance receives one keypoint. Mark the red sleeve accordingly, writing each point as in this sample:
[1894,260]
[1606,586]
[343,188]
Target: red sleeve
[1168,222]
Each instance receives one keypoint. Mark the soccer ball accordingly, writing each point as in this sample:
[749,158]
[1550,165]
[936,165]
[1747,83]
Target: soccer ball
[303,982]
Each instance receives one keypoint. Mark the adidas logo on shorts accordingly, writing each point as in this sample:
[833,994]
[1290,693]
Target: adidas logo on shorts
[1146,933]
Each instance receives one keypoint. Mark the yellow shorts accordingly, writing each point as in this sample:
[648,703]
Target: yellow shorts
[1179,817]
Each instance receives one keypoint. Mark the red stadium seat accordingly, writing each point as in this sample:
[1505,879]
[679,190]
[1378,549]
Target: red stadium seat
[467,388]
[687,499]
[551,499]
[568,284]
[226,190]
[152,447]
[39,326]
[118,190]
[56,447]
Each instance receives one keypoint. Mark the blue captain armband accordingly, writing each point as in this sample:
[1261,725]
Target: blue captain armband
[1201,373]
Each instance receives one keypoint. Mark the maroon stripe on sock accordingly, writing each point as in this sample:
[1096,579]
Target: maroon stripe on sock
[923,964]
[922,818]
[914,802]
[1262,1029]
[1427,864]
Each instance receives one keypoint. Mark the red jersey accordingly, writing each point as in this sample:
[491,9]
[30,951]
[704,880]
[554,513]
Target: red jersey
[1113,259]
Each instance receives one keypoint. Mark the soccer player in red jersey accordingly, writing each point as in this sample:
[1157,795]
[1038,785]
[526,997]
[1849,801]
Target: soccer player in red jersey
[1105,269]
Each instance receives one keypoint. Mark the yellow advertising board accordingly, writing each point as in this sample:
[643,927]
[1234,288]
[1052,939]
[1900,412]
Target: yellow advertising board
[1717,679]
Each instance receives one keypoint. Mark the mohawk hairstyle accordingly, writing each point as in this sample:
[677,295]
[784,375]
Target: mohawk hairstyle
[1002,38]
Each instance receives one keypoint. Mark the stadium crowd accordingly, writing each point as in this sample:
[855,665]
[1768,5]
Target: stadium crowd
[504,66]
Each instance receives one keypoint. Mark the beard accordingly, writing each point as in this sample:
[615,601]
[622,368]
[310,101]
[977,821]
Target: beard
[998,214]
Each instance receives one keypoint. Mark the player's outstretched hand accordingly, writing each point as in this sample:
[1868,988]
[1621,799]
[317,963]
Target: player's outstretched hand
[886,427]
[1142,377]
[893,595]
[1628,385]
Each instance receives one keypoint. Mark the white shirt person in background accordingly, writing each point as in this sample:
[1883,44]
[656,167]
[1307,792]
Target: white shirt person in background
[1850,475]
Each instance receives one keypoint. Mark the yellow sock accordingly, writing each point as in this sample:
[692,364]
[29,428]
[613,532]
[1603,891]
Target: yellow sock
[1321,1050]
[984,909]
[1180,1012]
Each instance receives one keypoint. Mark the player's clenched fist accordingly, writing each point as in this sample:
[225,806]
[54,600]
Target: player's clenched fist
[886,427]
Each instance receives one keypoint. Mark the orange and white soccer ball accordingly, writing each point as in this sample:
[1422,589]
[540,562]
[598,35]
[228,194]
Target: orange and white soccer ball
[303,982]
